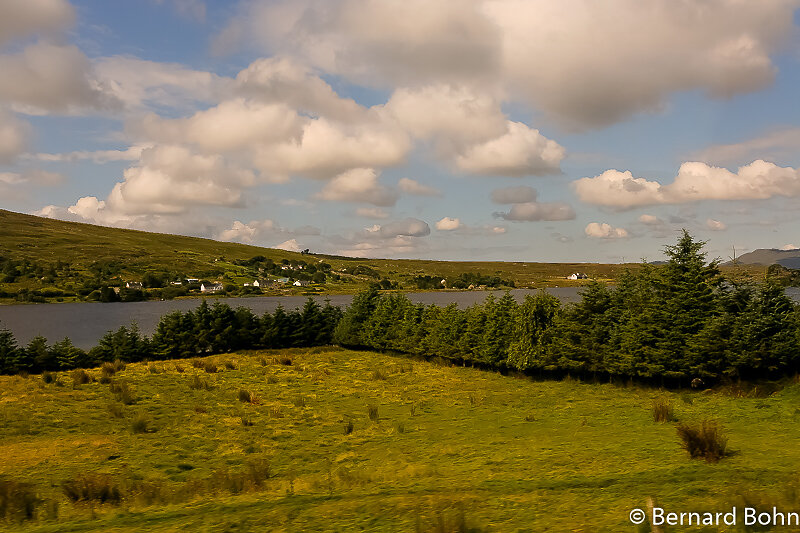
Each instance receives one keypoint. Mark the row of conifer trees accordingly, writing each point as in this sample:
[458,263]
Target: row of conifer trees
[673,322]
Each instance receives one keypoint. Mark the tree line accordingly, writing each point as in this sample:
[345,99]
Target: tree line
[671,323]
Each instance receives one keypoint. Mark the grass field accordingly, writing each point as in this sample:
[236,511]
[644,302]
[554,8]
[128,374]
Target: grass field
[359,441]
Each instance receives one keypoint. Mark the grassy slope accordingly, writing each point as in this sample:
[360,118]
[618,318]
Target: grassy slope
[585,456]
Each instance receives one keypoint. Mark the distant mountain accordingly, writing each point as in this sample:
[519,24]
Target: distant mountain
[771,256]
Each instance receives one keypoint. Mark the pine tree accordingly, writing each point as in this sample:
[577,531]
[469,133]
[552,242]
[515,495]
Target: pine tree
[11,358]
[348,331]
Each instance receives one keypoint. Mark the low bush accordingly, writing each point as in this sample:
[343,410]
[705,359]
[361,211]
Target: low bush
[48,377]
[198,383]
[348,427]
[122,392]
[80,377]
[662,410]
[372,412]
[230,365]
[95,488]
[141,424]
[210,367]
[703,441]
[18,501]
[246,396]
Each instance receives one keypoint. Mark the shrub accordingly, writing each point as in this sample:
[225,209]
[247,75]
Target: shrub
[348,427]
[230,365]
[200,409]
[248,397]
[119,365]
[116,410]
[80,377]
[18,501]
[262,361]
[210,367]
[379,374]
[530,417]
[48,377]
[141,424]
[108,369]
[197,363]
[275,411]
[153,369]
[96,488]
[372,412]
[198,383]
[400,427]
[285,360]
[179,368]
[272,379]
[662,410]
[299,401]
[704,440]
[122,392]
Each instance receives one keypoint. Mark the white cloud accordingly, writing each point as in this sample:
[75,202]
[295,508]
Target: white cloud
[290,246]
[774,146]
[33,176]
[372,212]
[650,220]
[788,247]
[141,83]
[448,224]
[261,231]
[131,153]
[535,211]
[20,18]
[522,151]
[408,227]
[171,179]
[514,195]
[358,185]
[604,231]
[716,225]
[14,136]
[695,182]
[578,61]
[47,78]
[416,188]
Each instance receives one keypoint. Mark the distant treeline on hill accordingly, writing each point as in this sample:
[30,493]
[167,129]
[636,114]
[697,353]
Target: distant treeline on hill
[670,323]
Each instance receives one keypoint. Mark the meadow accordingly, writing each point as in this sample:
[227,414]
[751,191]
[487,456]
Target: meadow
[326,439]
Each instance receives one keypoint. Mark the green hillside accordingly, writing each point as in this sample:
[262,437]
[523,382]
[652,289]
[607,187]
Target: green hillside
[325,439]
[49,260]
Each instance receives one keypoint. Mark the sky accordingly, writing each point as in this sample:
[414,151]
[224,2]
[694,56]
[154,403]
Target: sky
[513,130]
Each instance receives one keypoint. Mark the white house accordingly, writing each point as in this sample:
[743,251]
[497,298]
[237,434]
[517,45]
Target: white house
[133,285]
[577,275]
[301,283]
[211,287]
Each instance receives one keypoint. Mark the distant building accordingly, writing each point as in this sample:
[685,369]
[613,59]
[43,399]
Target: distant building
[578,275]
[211,287]
[192,280]
[133,285]
[282,280]
[301,283]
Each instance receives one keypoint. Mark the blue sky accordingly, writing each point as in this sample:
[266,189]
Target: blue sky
[464,129]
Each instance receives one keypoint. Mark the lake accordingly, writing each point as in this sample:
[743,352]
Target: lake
[85,323]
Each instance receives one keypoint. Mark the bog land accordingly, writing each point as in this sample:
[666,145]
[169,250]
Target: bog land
[326,439]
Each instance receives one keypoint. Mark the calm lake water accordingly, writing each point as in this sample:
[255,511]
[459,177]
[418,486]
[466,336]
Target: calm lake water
[85,323]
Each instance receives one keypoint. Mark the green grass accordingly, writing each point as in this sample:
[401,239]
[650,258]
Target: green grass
[45,241]
[511,453]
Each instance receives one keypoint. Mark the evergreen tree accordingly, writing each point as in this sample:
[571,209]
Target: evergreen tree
[348,331]
[39,355]
[11,358]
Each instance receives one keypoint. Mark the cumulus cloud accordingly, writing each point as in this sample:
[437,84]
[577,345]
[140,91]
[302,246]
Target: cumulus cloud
[514,195]
[449,224]
[416,188]
[521,151]
[774,146]
[598,230]
[20,18]
[695,182]
[290,246]
[650,220]
[408,227]
[261,231]
[358,185]
[716,225]
[788,247]
[132,153]
[372,212]
[14,137]
[578,61]
[170,179]
[140,83]
[536,211]
[46,78]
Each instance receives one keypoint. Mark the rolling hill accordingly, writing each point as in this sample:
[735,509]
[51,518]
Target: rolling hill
[771,256]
